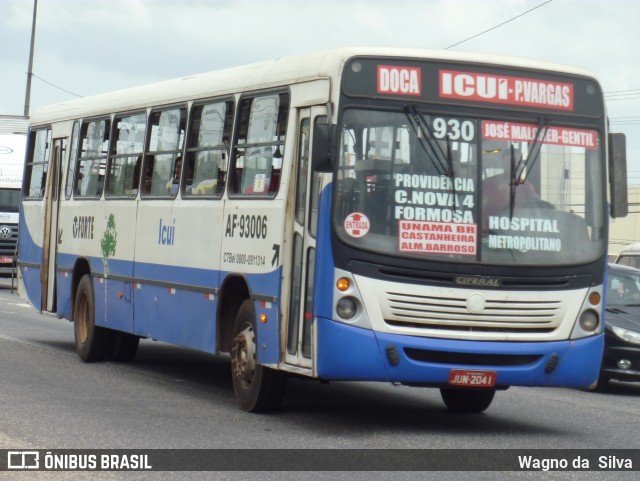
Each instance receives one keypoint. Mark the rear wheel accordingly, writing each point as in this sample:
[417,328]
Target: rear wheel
[91,341]
[124,347]
[467,400]
[256,388]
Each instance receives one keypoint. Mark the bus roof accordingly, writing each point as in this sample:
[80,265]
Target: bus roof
[271,73]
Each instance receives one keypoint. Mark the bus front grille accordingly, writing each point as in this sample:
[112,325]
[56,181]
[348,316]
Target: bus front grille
[495,313]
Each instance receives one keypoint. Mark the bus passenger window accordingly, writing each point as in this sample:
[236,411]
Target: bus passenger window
[92,161]
[38,164]
[208,149]
[259,146]
[166,133]
[125,157]
[73,158]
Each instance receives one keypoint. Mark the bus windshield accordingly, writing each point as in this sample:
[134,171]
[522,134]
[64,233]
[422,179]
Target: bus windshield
[489,190]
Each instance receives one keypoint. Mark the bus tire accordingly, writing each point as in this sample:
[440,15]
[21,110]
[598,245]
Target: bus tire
[467,400]
[91,341]
[124,347]
[257,388]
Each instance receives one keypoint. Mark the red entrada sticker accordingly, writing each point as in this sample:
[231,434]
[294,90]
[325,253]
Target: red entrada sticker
[357,225]
[399,80]
[498,89]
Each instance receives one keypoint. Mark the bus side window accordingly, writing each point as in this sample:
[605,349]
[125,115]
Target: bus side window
[166,134]
[208,149]
[92,161]
[127,145]
[259,145]
[73,158]
[37,164]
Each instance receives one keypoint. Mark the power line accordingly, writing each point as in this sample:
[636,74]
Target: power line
[620,92]
[55,86]
[617,93]
[634,97]
[499,25]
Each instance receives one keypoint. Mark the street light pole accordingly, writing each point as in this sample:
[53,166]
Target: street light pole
[27,97]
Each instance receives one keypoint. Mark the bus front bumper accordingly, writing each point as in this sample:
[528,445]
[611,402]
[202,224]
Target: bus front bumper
[350,353]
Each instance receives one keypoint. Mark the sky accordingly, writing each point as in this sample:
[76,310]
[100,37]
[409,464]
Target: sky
[86,47]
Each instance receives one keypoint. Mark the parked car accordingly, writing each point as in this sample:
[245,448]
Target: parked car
[621,360]
[630,256]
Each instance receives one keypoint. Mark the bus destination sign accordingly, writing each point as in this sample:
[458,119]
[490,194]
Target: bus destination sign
[490,86]
[506,90]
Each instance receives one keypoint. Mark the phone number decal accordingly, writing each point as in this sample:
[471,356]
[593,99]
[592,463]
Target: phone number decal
[244,259]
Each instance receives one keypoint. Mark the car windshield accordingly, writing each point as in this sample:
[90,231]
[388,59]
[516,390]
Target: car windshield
[439,187]
[9,200]
[623,288]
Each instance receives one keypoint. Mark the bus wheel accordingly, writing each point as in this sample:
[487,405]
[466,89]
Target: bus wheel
[91,341]
[256,388]
[124,347]
[467,400]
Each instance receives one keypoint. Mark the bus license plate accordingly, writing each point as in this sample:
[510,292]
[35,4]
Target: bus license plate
[464,377]
[6,259]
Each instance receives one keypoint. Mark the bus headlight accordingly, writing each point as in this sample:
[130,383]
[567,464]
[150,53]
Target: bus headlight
[347,307]
[589,320]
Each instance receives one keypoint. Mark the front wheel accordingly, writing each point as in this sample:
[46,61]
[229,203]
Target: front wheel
[92,341]
[467,400]
[256,388]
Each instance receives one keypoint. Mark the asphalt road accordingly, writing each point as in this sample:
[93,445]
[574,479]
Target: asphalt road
[170,397]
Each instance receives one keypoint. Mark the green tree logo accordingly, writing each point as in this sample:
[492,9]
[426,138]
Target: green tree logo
[108,243]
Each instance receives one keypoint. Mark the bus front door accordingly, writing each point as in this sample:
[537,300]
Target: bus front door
[300,337]
[51,236]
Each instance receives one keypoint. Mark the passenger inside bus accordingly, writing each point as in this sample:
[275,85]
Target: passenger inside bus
[148,174]
[135,183]
[174,183]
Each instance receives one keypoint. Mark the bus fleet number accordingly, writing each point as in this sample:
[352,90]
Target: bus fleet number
[246,226]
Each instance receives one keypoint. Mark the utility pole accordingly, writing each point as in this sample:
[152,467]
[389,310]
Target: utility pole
[27,97]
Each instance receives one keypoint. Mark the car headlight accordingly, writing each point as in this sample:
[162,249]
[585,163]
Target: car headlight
[626,335]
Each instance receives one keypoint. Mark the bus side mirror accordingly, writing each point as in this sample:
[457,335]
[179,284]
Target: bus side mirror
[323,147]
[618,175]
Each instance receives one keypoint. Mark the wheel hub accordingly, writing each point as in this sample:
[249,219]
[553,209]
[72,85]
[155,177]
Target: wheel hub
[83,319]
[243,360]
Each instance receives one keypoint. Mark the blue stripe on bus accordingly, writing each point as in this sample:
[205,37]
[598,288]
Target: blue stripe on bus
[181,316]
[323,277]
[348,352]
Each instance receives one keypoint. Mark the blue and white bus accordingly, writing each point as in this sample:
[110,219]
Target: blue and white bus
[419,217]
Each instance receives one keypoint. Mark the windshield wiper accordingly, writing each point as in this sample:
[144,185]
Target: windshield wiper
[525,166]
[442,162]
